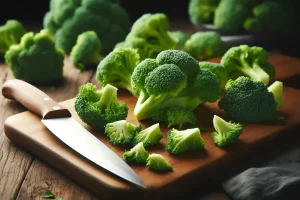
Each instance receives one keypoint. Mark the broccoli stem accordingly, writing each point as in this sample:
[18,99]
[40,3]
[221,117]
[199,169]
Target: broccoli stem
[221,126]
[255,72]
[109,95]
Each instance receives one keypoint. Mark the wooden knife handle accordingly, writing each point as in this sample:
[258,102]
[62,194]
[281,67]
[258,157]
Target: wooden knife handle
[33,99]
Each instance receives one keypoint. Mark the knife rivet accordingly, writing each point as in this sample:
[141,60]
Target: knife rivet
[56,107]
[46,99]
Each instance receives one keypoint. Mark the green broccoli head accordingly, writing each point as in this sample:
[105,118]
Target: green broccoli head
[121,132]
[277,90]
[66,19]
[180,37]
[246,100]
[158,163]
[150,136]
[248,61]
[225,132]
[36,59]
[136,155]
[117,68]
[202,11]
[181,141]
[205,45]
[216,68]
[150,35]
[10,33]
[97,108]
[87,50]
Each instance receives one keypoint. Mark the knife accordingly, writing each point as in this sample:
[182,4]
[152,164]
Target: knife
[60,122]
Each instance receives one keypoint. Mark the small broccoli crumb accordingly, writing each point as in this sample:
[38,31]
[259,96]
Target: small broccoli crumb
[137,155]
[149,136]
[158,163]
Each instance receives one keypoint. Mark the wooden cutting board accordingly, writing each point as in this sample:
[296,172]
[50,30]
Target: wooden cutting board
[26,130]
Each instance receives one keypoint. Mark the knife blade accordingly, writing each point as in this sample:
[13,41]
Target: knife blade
[60,122]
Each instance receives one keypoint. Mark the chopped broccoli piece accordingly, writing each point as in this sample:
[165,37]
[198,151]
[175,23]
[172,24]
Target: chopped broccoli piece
[158,163]
[180,141]
[99,108]
[218,69]
[246,100]
[149,136]
[10,33]
[277,89]
[248,61]
[202,11]
[122,132]
[36,59]
[137,155]
[117,67]
[180,37]
[87,50]
[225,132]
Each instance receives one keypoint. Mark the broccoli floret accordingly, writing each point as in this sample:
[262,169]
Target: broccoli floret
[117,67]
[172,79]
[248,61]
[158,163]
[149,136]
[99,108]
[66,19]
[216,68]
[87,50]
[150,35]
[202,11]
[36,59]
[246,100]
[180,37]
[225,132]
[10,33]
[205,45]
[277,89]
[180,141]
[137,155]
[122,132]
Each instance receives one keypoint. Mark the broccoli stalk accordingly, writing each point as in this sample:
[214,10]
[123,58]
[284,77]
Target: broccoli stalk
[255,71]
[137,155]
[277,89]
[225,132]
[158,163]
[149,136]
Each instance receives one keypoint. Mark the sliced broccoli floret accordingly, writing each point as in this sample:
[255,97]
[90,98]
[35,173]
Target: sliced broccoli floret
[99,108]
[180,37]
[277,89]
[180,141]
[202,11]
[158,163]
[149,136]
[216,68]
[246,100]
[225,132]
[137,155]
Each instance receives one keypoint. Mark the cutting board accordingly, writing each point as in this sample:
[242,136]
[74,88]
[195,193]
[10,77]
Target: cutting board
[26,130]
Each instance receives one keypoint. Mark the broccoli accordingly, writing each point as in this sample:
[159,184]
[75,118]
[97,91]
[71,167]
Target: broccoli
[181,38]
[158,163]
[10,33]
[277,89]
[87,50]
[150,35]
[117,67]
[122,132]
[99,108]
[180,141]
[36,59]
[137,155]
[216,68]
[202,11]
[205,45]
[246,100]
[172,79]
[248,61]
[225,132]
[66,19]
[149,136]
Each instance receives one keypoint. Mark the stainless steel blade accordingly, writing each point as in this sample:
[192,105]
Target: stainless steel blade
[78,138]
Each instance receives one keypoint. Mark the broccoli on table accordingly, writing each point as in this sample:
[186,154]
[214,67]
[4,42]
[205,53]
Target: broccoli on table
[87,50]
[97,108]
[180,37]
[246,100]
[137,155]
[150,136]
[117,67]
[10,33]
[36,59]
[122,132]
[225,132]
[277,89]
[180,141]
[248,61]
[202,11]
[158,163]
[216,68]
